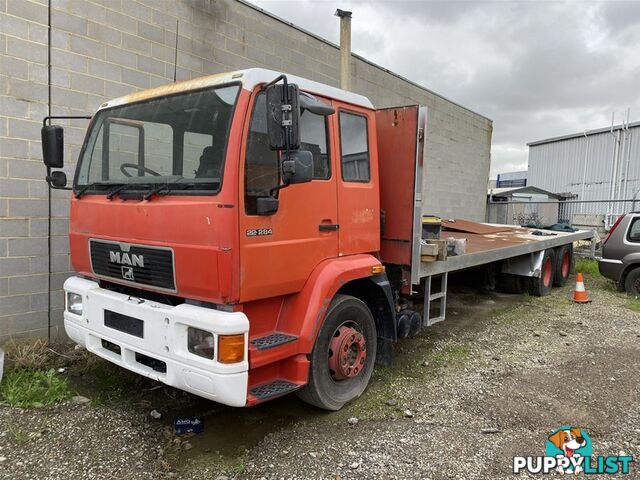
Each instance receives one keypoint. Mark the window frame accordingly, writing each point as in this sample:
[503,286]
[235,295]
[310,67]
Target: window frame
[249,119]
[194,192]
[327,133]
[628,235]
[366,122]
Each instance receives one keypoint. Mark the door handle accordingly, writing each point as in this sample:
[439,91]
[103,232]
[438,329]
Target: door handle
[328,227]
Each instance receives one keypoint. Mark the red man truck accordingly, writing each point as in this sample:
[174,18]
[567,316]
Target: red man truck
[245,235]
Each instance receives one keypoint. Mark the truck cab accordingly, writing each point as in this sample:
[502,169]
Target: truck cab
[225,233]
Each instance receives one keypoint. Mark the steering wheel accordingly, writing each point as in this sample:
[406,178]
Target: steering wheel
[124,166]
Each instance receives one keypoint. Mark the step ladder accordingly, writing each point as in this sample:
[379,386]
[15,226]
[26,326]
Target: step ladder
[437,299]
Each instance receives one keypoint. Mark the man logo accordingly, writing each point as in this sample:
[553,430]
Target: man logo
[126,259]
[127,273]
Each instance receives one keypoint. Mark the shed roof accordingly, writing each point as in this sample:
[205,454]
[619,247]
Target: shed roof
[581,134]
[510,191]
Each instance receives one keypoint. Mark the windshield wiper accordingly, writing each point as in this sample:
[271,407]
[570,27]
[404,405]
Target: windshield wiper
[163,188]
[80,192]
[116,190]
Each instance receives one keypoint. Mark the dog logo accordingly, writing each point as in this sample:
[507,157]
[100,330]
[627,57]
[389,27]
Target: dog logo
[568,450]
[127,273]
[572,443]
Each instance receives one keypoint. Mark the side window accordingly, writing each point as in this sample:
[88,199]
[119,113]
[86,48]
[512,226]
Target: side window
[313,137]
[261,163]
[634,230]
[354,148]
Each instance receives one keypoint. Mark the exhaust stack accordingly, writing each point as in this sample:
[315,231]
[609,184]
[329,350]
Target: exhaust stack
[345,48]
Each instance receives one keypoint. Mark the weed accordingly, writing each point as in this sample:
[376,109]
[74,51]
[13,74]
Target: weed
[587,265]
[19,436]
[28,388]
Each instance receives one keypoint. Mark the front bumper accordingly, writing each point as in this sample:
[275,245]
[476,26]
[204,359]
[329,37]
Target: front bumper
[164,340]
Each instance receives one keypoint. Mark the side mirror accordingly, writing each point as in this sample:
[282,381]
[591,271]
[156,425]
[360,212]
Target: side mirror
[298,168]
[53,146]
[266,205]
[57,179]
[283,116]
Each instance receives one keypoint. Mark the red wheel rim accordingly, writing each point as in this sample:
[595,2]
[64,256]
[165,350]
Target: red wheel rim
[347,353]
[566,264]
[547,272]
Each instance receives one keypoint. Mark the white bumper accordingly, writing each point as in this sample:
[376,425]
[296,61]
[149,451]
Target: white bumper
[165,340]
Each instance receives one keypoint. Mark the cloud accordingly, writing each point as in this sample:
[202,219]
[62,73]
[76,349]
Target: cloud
[539,69]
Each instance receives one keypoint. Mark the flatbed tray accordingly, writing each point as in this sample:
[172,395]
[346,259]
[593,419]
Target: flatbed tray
[491,247]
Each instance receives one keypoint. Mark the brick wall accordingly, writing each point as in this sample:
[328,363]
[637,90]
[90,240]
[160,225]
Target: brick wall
[102,49]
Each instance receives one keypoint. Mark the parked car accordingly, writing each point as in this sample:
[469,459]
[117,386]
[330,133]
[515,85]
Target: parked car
[621,253]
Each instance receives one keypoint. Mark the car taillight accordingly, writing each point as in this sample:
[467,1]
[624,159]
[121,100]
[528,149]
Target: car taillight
[615,225]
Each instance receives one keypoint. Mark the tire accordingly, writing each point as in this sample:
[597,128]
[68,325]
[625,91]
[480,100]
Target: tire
[541,286]
[415,320]
[563,265]
[632,282]
[346,318]
[404,324]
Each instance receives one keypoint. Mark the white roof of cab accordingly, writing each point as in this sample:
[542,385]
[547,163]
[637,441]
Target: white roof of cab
[250,78]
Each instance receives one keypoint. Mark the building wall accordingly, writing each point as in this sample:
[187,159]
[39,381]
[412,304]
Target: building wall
[102,49]
[583,166]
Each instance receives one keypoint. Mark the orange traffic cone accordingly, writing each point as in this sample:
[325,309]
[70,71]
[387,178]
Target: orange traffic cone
[580,294]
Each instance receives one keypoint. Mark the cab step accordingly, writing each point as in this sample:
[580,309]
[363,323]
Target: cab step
[273,389]
[271,341]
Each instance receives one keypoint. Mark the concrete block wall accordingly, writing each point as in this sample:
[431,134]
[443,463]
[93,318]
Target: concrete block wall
[102,49]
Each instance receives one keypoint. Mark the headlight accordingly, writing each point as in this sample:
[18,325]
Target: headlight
[200,342]
[74,303]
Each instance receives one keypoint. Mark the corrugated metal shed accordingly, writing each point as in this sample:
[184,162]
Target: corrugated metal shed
[583,164]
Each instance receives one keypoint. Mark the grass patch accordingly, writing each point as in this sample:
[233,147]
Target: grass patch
[27,388]
[587,265]
[451,354]
[634,305]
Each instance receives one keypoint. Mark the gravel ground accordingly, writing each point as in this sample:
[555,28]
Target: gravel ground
[460,401]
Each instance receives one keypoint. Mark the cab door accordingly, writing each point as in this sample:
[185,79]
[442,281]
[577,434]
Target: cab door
[278,252]
[357,180]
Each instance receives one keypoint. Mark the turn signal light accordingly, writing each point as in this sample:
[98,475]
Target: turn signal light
[230,348]
[377,269]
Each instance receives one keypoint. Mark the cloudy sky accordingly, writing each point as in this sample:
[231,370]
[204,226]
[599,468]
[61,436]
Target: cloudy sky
[537,68]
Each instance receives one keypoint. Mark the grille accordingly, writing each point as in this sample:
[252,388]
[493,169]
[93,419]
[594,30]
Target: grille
[141,265]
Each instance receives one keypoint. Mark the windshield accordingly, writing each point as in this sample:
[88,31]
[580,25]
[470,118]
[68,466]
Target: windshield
[175,139]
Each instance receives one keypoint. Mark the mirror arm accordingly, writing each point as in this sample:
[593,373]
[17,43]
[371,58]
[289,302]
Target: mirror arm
[48,119]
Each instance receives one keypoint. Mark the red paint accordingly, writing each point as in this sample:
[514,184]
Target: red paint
[547,272]
[397,130]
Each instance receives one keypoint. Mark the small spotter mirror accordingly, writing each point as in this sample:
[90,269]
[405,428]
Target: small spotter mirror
[57,179]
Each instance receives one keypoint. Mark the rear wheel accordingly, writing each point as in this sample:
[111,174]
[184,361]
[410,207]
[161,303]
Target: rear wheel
[563,265]
[632,282]
[541,286]
[343,357]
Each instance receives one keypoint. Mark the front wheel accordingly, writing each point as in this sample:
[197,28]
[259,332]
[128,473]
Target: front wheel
[343,357]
